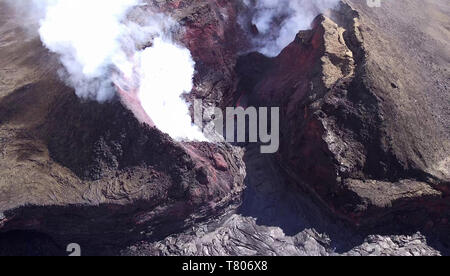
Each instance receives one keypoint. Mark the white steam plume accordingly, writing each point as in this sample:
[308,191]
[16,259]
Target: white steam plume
[87,34]
[166,70]
[278,21]
[104,44]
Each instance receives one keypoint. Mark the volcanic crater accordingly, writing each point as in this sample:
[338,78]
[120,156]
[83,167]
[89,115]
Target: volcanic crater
[363,162]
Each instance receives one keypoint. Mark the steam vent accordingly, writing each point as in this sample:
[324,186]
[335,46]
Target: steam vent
[224,128]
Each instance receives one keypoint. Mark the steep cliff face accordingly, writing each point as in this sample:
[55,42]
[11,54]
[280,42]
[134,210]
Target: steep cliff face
[357,127]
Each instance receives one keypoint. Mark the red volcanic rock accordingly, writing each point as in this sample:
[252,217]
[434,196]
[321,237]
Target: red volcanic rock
[131,101]
[212,35]
[220,162]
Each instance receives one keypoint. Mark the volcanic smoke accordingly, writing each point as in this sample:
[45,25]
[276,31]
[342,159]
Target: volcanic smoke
[278,21]
[123,46]
[109,45]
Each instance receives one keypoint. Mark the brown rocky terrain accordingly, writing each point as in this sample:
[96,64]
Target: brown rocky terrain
[368,140]
[364,143]
[91,172]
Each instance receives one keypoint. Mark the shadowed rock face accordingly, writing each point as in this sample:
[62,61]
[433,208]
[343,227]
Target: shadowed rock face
[362,144]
